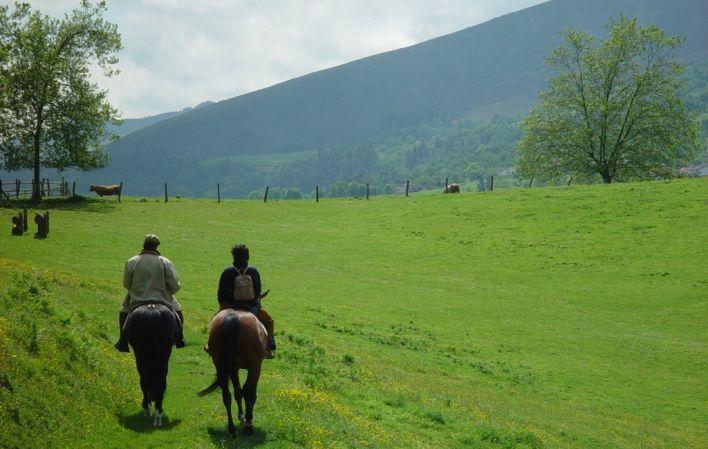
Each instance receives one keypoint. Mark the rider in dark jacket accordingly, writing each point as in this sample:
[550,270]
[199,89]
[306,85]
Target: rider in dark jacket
[226,291]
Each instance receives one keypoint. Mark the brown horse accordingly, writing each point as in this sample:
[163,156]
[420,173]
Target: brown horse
[237,340]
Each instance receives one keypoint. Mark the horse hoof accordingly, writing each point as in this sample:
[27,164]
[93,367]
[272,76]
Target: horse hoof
[248,429]
[232,430]
[147,411]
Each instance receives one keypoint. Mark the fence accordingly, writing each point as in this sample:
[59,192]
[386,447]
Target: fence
[23,189]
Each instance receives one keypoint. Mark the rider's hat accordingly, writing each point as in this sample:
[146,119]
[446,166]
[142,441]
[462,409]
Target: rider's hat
[151,239]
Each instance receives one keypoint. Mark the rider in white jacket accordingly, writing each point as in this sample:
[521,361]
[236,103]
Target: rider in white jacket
[149,277]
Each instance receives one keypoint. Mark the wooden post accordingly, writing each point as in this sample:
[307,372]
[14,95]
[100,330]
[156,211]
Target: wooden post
[491,184]
[446,184]
[17,227]
[317,194]
[1,192]
[73,188]
[62,191]
[367,190]
[120,191]
[17,188]
[218,192]
[408,185]
[265,197]
[530,182]
[570,180]
[49,188]
[24,219]
[165,192]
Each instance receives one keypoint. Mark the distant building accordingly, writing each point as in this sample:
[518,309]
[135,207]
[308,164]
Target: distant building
[506,171]
[699,170]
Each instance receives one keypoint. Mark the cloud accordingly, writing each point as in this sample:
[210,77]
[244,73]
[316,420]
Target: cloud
[179,53]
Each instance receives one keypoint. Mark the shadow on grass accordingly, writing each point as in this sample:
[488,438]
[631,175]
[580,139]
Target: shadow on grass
[221,437]
[138,422]
[77,203]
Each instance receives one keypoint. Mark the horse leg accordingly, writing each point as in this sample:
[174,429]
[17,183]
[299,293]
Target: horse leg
[226,396]
[159,387]
[238,394]
[249,394]
[144,384]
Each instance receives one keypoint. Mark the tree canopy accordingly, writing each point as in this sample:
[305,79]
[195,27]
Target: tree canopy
[612,110]
[51,114]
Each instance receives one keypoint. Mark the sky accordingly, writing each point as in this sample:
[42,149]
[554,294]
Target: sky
[178,53]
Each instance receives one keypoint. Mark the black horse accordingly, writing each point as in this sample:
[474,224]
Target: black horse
[152,330]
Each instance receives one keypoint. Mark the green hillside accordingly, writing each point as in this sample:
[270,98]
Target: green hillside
[493,68]
[530,318]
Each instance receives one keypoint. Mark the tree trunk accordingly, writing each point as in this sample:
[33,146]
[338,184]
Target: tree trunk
[606,178]
[36,193]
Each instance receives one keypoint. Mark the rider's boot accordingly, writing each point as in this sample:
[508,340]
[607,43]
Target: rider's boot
[269,325]
[271,346]
[122,344]
[180,338]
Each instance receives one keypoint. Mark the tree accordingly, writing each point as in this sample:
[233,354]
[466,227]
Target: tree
[51,114]
[612,110]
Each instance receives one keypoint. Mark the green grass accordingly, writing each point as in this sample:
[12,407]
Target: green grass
[532,318]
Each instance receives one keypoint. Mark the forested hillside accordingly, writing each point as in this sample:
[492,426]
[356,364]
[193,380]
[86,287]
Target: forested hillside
[424,112]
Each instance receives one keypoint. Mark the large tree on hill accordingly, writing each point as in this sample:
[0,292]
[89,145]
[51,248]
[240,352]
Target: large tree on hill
[51,114]
[612,109]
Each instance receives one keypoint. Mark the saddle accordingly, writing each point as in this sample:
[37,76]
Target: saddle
[152,304]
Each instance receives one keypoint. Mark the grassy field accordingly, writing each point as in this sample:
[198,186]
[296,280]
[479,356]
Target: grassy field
[532,318]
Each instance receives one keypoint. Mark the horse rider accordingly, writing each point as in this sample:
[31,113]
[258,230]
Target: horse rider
[149,278]
[234,294]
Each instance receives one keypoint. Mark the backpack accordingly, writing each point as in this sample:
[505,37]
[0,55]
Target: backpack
[243,287]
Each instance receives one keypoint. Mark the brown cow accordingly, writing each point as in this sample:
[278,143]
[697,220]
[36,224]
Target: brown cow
[452,188]
[106,190]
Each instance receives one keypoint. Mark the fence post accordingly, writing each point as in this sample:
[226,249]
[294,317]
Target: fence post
[17,188]
[408,185]
[165,192]
[367,190]
[530,182]
[265,197]
[73,188]
[491,184]
[218,192]
[446,184]
[62,191]
[120,191]
[317,194]
[570,180]
[1,192]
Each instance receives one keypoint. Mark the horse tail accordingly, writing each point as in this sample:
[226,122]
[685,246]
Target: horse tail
[210,389]
[227,353]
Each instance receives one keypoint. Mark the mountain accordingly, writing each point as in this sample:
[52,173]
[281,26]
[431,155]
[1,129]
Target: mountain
[493,68]
[131,125]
